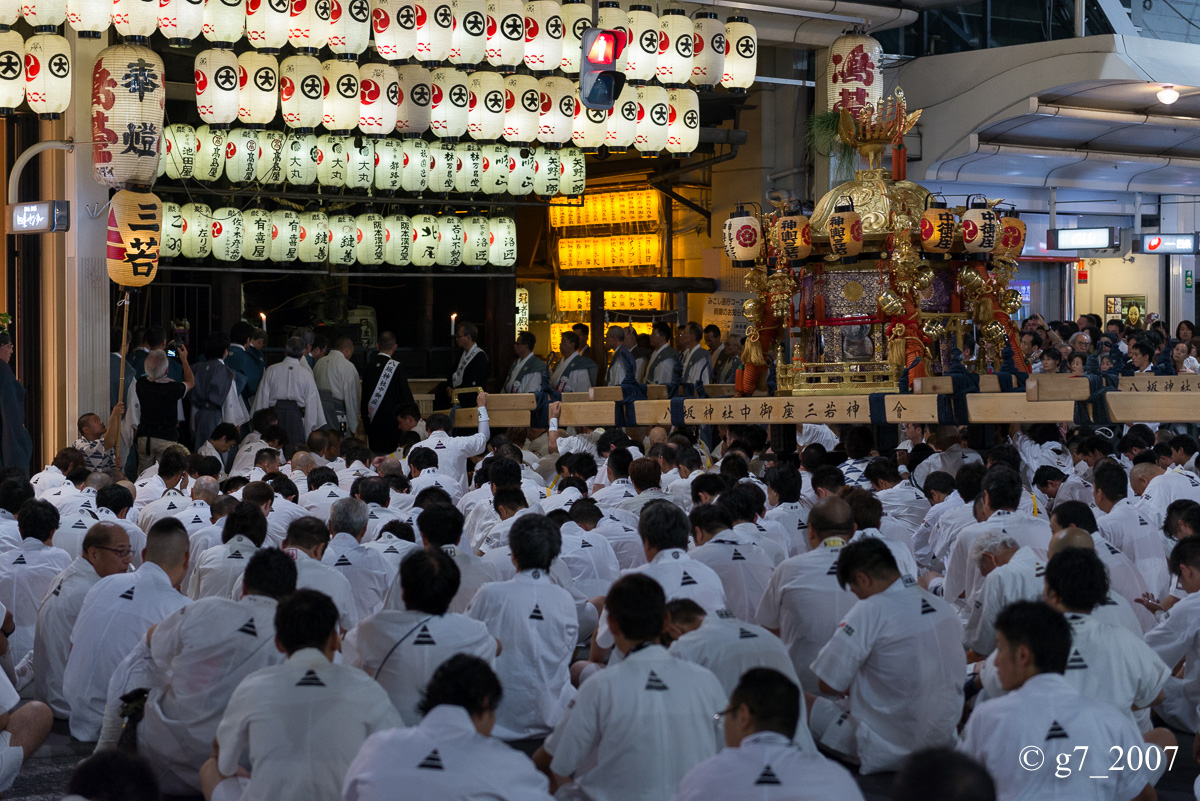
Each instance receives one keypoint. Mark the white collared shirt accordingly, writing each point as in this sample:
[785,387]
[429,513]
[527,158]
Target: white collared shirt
[219,568]
[625,541]
[1112,664]
[48,479]
[194,516]
[819,433]
[335,374]
[922,539]
[453,452]
[401,651]
[319,501]
[963,577]
[1020,579]
[590,558]
[393,550]
[743,565]
[301,724]
[1131,531]
[537,623]
[637,728]
[52,640]
[150,488]
[1177,638]
[793,518]
[616,492]
[768,766]
[474,573]
[368,572]
[27,573]
[905,503]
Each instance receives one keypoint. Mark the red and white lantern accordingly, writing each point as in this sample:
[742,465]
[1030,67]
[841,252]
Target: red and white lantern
[435,24]
[557,110]
[854,76]
[314,237]
[742,237]
[443,162]
[308,26]
[485,107]
[378,94]
[397,249]
[450,241]
[258,88]
[300,158]
[210,153]
[503,241]
[611,17]
[641,47]
[622,120]
[708,50]
[521,165]
[224,22]
[414,96]
[414,165]
[134,235]
[494,179]
[468,168]
[468,42]
[683,121]
[48,78]
[267,23]
[340,109]
[285,236]
[88,19]
[448,106]
[980,226]
[181,21]
[475,240]
[179,150]
[197,231]
[44,16]
[172,231]
[741,54]
[574,172]
[228,234]
[332,159]
[371,239]
[135,20]
[543,35]
[301,92]
[588,127]
[216,79]
[425,240]
[547,172]
[389,159]
[360,163]
[12,76]
[349,27]
[128,98]
[395,25]
[256,230]
[343,239]
[522,108]
[270,157]
[674,48]
[505,34]
[241,155]
[576,18]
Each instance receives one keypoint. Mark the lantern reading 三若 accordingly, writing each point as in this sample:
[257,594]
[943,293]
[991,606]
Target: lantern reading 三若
[134,237]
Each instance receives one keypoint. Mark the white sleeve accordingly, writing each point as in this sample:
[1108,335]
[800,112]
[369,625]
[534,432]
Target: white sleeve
[234,410]
[314,410]
[352,398]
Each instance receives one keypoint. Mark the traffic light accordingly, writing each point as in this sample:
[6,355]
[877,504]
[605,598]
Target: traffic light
[599,79]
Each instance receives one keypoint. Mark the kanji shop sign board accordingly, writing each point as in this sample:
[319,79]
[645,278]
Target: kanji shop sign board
[40,217]
[784,410]
[1148,382]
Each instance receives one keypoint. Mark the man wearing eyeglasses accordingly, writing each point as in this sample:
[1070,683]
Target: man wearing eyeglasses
[105,552]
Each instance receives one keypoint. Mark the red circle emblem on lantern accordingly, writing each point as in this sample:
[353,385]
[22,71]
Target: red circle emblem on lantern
[230,150]
[510,100]
[486,163]
[664,42]
[546,105]
[380,20]
[436,95]
[298,7]
[377,159]
[970,231]
[251,6]
[335,11]
[185,225]
[404,163]
[32,67]
[369,91]
[287,88]
[856,231]
[201,81]
[697,43]
[324,87]
[471,100]
[727,46]
[358,234]
[320,156]
[242,77]
[168,141]
[671,115]
[641,112]
[926,229]
[512,164]
[531,29]
[1012,238]
[216,229]
[458,165]
[421,17]
[303,234]
[274,232]
[747,236]
[491,25]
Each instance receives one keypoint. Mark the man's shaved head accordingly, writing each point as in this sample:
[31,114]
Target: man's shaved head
[1142,474]
[303,461]
[97,481]
[205,489]
[832,517]
[1071,537]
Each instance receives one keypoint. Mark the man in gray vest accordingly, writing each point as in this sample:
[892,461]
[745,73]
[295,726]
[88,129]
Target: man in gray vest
[215,398]
[697,364]
[575,372]
[528,373]
[665,366]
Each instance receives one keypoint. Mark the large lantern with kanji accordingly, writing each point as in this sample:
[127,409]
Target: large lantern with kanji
[48,75]
[258,88]
[216,79]
[795,236]
[435,24]
[398,248]
[937,226]
[708,50]
[172,233]
[378,94]
[845,230]
[349,27]
[128,97]
[980,226]
[256,229]
[741,54]
[301,92]
[267,23]
[854,76]
[469,38]
[135,222]
[285,236]
[742,237]
[505,34]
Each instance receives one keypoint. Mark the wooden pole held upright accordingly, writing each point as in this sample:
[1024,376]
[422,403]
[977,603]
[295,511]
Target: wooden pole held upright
[121,379]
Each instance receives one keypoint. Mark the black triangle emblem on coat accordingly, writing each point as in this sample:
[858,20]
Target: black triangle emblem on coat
[128,594]
[1057,732]
[746,634]
[20,560]
[432,762]
[536,614]
[586,544]
[57,589]
[687,580]
[1039,571]
[1111,549]
[79,524]
[235,555]
[342,561]
[737,556]
[249,628]
[832,571]
[310,679]
[767,777]
[424,637]
[1076,661]
[926,607]
[391,549]
[196,520]
[653,682]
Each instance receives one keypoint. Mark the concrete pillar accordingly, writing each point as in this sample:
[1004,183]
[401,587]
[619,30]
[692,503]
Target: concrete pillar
[1179,214]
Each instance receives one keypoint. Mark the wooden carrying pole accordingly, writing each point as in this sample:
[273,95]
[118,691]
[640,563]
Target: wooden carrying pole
[124,350]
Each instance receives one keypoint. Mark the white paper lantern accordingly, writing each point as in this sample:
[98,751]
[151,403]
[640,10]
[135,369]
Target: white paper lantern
[12,71]
[210,153]
[520,170]
[674,47]
[588,127]
[502,235]
[256,230]
[683,123]
[557,110]
[343,239]
[485,109]
[708,50]
[314,237]
[332,159]
[179,150]
[612,18]
[543,35]
[469,39]
[378,93]
[44,15]
[224,22]
[181,21]
[622,120]
[197,231]
[10,12]
[642,44]
[443,161]
[172,231]
[133,238]
[216,79]
[349,27]
[371,238]
[574,172]
[301,92]
[576,18]
[258,88]
[741,54]
[267,23]
[414,95]
[505,34]
[448,108]
[300,159]
[241,155]
[88,18]
[48,75]
[340,110]
[162,159]
[468,168]
[450,241]
[854,77]
[435,23]
[414,165]
[285,236]
[494,178]
[547,172]
[136,20]
[425,240]
[270,157]
[360,163]
[653,115]
[522,108]
[308,25]
[128,97]
[475,240]
[398,249]
[389,159]
[395,26]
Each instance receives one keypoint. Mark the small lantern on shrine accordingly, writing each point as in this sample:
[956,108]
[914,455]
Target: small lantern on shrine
[674,48]
[937,226]
[256,228]
[485,108]
[216,79]
[197,231]
[576,18]
[795,236]
[398,249]
[854,76]
[543,35]
[227,234]
[172,233]
[980,226]
[413,96]
[267,23]
[258,88]
[379,95]
[314,237]
[89,19]
[845,230]
[742,237]
[435,24]
[128,96]
[48,77]
[741,54]
[1011,241]
[468,41]
[134,236]
[505,34]
[285,236]
[349,27]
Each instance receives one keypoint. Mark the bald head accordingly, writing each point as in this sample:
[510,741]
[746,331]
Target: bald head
[304,462]
[1142,474]
[97,481]
[205,489]
[831,517]
[1071,537]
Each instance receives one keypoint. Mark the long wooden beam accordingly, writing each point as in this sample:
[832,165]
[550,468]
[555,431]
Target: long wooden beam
[1057,388]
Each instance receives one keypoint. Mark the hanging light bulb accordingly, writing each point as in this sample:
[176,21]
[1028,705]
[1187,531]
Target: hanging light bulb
[469,38]
[1168,95]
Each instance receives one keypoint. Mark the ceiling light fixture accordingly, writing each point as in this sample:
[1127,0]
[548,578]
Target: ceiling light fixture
[1167,95]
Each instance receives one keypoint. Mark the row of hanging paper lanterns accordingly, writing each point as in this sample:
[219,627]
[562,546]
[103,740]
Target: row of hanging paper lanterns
[982,230]
[37,70]
[378,99]
[244,155]
[197,231]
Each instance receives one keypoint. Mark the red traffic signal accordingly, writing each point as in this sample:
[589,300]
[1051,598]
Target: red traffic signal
[599,79]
